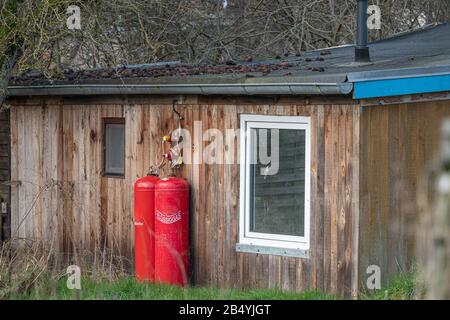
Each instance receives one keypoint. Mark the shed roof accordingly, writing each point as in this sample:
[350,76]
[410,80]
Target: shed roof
[424,52]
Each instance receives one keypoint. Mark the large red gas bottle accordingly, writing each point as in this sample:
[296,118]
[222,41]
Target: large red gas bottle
[172,231]
[144,228]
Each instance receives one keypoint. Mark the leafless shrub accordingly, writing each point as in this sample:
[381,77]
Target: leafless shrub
[30,265]
[144,31]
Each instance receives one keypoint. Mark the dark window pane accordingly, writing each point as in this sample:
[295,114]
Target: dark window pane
[115,148]
[277,187]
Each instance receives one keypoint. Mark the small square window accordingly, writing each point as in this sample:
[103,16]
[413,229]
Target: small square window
[275,181]
[114,147]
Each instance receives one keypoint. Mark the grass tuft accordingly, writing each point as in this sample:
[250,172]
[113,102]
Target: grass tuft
[403,287]
[128,288]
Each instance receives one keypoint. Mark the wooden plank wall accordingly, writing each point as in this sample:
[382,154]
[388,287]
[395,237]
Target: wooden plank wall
[397,143]
[5,172]
[56,153]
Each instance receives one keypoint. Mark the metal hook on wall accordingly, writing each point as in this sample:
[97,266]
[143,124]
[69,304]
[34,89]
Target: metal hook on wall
[180,116]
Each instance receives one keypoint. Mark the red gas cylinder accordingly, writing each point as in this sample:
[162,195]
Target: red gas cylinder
[144,228]
[172,231]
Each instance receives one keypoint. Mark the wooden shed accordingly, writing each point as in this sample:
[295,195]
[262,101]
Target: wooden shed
[353,138]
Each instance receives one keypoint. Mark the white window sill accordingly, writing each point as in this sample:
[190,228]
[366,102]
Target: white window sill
[250,248]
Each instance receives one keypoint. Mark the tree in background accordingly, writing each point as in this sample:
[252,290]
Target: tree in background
[34,35]
[30,32]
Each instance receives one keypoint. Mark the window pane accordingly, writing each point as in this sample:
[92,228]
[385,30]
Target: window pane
[115,149]
[277,181]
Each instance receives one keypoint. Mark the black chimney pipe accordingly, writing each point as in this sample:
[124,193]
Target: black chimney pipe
[361,49]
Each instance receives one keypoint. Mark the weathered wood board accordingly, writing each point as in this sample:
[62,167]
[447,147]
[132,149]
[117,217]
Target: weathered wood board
[63,198]
[5,173]
[397,144]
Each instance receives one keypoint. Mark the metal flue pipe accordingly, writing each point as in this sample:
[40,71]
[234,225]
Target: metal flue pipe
[361,49]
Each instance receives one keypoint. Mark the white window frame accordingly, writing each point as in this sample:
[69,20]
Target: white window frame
[246,237]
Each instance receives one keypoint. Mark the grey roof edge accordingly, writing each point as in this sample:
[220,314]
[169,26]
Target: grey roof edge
[402,34]
[276,88]
[398,73]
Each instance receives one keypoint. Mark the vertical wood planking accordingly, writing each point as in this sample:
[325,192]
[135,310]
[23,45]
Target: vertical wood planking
[397,143]
[355,213]
[97,211]
[317,201]
[15,165]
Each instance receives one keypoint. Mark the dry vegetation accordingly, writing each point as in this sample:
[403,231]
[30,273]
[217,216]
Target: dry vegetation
[138,31]
[28,266]
[30,270]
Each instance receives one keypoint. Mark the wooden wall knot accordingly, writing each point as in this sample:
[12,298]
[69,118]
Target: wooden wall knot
[440,241]
[93,136]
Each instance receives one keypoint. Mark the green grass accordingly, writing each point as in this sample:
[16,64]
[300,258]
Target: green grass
[129,289]
[402,288]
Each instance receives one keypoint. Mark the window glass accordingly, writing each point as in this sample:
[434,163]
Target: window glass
[277,181]
[114,148]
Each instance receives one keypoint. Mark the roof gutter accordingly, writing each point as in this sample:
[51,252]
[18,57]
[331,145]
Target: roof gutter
[201,89]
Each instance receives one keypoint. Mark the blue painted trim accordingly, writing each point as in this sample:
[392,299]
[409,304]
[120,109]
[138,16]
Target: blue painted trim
[402,86]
